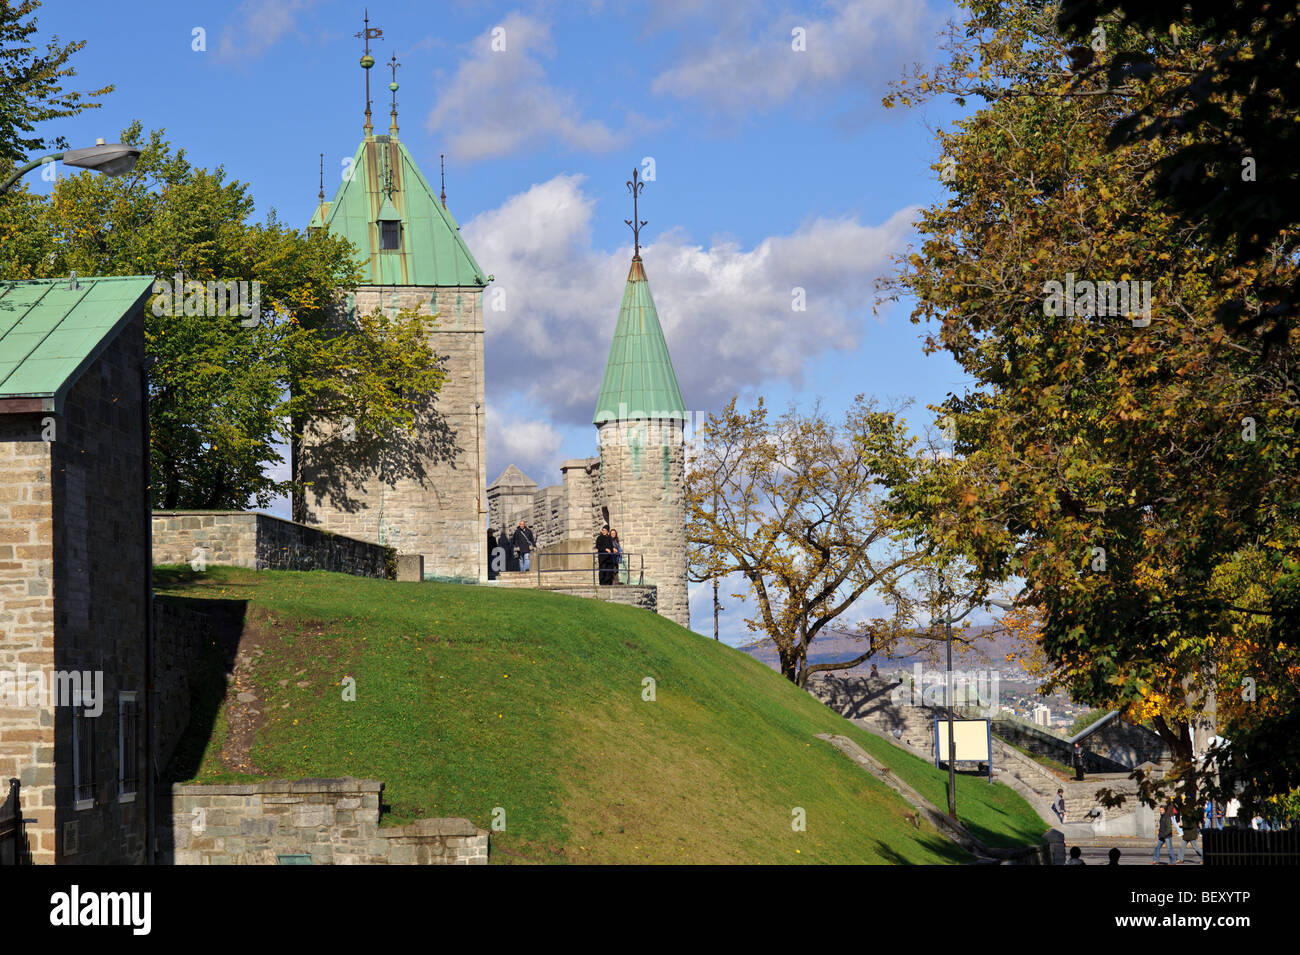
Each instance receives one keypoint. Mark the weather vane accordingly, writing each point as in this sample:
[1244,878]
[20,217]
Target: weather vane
[634,186]
[367,61]
[442,158]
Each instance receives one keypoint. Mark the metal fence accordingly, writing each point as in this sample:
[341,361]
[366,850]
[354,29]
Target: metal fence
[587,565]
[1251,846]
[14,849]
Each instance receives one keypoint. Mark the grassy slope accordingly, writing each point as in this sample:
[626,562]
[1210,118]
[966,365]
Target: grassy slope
[471,698]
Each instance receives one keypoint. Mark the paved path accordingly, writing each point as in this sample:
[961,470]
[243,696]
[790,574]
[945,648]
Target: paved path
[1132,852]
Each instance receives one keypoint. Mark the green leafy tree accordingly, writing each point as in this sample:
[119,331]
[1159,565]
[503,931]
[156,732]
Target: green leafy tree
[1227,120]
[1117,463]
[31,85]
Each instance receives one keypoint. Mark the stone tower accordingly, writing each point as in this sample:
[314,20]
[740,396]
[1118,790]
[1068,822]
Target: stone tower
[640,417]
[434,502]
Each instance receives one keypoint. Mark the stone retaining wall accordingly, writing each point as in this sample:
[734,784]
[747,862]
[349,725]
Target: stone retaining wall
[334,821]
[261,542]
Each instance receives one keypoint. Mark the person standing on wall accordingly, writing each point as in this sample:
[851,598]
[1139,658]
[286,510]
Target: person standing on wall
[603,541]
[524,542]
[615,555]
[1077,759]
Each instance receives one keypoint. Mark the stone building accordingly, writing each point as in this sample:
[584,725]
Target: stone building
[429,496]
[74,566]
[636,482]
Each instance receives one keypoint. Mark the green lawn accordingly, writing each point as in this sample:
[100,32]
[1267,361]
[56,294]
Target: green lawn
[471,699]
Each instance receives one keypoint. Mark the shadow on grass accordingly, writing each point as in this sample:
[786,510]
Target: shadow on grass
[945,848]
[207,632]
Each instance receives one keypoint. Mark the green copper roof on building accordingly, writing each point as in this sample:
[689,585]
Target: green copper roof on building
[386,184]
[639,378]
[51,330]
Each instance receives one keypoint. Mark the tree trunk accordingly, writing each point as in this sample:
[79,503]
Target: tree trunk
[789,664]
[299,506]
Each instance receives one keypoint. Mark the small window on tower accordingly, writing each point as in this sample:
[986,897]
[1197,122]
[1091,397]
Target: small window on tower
[390,234]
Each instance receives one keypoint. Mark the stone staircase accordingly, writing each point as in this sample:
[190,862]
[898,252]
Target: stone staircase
[870,704]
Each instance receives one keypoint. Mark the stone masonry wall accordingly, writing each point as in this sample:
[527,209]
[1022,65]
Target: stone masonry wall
[1128,745]
[27,619]
[100,559]
[642,483]
[335,821]
[443,516]
[260,542]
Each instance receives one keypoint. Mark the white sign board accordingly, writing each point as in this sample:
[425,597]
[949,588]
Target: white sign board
[971,738]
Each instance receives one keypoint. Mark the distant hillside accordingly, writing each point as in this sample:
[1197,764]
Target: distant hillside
[991,651]
[471,699]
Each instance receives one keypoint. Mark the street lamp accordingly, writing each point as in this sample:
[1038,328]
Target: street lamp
[112,159]
[951,700]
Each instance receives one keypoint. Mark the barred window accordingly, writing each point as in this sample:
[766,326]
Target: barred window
[83,759]
[128,739]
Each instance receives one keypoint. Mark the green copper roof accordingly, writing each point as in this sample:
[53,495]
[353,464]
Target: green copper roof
[386,183]
[51,331]
[639,378]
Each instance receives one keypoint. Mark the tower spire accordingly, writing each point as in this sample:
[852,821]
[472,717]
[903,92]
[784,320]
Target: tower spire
[367,34]
[634,186]
[321,194]
[392,126]
[442,160]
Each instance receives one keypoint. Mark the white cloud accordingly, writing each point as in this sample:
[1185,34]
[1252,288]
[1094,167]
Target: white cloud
[259,26]
[499,101]
[858,42]
[529,444]
[726,311]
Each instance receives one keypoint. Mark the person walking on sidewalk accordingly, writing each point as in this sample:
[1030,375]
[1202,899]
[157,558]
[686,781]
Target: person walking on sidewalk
[1058,806]
[1164,835]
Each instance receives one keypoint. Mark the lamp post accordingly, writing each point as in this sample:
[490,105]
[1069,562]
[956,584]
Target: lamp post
[112,159]
[948,621]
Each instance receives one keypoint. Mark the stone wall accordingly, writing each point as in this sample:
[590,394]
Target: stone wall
[1046,744]
[1128,745]
[335,821]
[642,484]
[73,569]
[426,494]
[27,605]
[260,542]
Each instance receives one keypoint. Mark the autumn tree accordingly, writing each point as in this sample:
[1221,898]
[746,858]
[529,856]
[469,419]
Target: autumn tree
[794,506]
[1227,120]
[32,85]
[1118,454]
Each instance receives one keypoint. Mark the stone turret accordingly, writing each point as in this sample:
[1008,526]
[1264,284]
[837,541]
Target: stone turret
[411,255]
[640,419]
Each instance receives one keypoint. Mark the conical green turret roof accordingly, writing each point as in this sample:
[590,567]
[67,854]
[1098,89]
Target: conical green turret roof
[639,378]
[386,184]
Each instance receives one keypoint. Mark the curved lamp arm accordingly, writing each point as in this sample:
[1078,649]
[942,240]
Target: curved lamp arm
[112,159]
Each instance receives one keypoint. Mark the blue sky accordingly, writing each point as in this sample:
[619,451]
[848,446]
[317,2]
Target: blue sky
[774,168]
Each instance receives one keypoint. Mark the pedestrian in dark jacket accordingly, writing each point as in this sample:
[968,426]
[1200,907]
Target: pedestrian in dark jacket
[604,544]
[1164,835]
[615,554]
[524,542]
[1077,758]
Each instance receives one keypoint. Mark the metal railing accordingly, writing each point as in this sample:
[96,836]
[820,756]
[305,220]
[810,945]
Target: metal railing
[622,573]
[14,849]
[1251,847]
